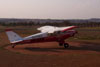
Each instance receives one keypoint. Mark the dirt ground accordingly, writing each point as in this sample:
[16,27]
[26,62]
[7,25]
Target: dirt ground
[79,54]
[54,48]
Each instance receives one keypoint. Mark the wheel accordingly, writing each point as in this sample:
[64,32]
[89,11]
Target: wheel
[66,45]
[60,44]
[13,46]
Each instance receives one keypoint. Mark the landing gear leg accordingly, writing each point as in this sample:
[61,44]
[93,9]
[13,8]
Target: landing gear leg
[66,45]
[60,44]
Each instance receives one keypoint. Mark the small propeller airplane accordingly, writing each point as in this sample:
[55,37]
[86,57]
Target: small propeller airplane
[47,34]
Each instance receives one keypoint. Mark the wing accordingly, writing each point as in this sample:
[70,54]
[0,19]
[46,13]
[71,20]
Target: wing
[52,29]
[67,28]
[47,29]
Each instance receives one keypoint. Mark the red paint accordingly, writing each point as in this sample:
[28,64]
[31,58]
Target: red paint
[69,28]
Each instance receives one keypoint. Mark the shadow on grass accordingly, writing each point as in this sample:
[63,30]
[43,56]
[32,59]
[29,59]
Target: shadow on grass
[83,46]
[86,48]
[37,49]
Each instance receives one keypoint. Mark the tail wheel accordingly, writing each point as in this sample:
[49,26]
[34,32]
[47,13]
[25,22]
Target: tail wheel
[66,45]
[13,46]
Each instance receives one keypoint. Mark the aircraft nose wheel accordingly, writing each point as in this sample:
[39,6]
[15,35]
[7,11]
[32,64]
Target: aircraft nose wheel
[66,45]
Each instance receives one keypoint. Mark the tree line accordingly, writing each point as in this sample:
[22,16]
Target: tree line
[64,23]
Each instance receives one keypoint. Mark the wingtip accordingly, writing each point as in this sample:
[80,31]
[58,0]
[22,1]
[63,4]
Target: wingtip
[72,27]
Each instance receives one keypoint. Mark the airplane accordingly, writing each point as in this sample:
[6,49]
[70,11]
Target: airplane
[47,34]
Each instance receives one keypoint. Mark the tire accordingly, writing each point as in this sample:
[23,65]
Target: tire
[66,45]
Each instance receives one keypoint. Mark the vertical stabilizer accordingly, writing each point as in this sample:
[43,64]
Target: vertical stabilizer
[12,36]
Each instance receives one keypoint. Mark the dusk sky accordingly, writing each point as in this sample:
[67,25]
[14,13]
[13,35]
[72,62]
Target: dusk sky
[50,9]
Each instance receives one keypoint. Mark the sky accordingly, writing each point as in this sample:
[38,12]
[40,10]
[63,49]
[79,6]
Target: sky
[50,9]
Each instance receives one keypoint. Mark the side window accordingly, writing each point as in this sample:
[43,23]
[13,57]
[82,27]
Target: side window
[50,34]
[58,32]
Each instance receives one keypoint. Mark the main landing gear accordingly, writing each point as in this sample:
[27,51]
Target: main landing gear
[66,45]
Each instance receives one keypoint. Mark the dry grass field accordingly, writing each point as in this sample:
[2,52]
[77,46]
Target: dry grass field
[84,50]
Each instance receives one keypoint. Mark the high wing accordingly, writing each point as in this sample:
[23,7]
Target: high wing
[52,29]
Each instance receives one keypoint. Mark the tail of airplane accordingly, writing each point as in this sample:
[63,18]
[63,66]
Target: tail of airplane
[12,36]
